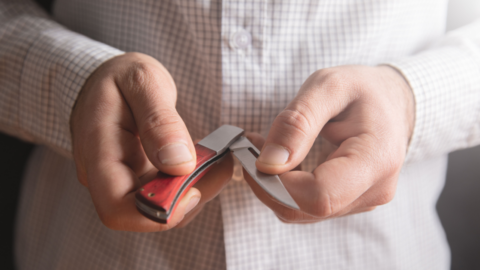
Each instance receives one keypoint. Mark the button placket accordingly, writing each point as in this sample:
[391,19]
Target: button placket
[242,63]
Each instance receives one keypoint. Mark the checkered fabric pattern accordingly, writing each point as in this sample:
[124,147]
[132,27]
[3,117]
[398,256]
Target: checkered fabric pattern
[240,63]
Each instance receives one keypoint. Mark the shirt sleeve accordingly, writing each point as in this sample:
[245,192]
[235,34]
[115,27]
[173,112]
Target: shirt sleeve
[43,66]
[445,80]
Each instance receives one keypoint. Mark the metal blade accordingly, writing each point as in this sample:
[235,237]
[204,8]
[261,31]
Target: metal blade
[220,139]
[247,154]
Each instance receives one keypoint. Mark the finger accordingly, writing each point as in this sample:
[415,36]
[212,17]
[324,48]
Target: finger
[211,185]
[293,218]
[256,139]
[151,95]
[113,177]
[306,189]
[379,194]
[295,129]
[362,210]
[358,211]
[259,141]
[119,122]
[114,113]
[308,220]
[215,180]
[312,219]
[353,169]
[190,216]
[112,185]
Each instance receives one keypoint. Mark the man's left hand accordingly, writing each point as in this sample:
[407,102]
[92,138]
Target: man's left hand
[368,112]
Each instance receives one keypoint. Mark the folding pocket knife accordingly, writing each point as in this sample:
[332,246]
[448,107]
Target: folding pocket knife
[158,199]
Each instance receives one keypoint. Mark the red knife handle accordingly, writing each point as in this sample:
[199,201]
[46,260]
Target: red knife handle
[158,198]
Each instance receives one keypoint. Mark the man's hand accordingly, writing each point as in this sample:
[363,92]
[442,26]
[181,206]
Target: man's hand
[124,129]
[368,112]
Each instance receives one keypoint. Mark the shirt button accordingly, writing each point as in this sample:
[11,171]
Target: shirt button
[240,40]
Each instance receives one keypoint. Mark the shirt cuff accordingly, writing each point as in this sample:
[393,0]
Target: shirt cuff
[446,85]
[56,67]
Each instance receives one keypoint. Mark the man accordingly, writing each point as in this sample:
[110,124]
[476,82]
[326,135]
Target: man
[389,94]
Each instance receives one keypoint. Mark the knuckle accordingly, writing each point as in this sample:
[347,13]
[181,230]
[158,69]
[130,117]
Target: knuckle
[143,71]
[294,120]
[393,167]
[392,160]
[386,196]
[397,162]
[166,120]
[333,78]
[134,55]
[341,83]
[139,74]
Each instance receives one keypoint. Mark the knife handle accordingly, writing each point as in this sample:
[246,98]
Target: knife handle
[162,194]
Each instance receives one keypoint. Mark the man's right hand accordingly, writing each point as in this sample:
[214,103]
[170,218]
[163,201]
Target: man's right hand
[124,129]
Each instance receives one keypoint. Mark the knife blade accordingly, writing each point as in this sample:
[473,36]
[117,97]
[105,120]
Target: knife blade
[158,199]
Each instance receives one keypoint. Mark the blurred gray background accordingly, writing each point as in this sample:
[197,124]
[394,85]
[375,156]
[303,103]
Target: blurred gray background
[459,208]
[459,204]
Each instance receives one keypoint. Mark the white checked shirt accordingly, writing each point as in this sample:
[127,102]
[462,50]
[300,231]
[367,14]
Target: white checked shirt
[235,62]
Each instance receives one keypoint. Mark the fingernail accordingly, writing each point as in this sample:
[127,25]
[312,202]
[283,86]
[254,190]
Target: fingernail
[174,154]
[274,155]
[191,204]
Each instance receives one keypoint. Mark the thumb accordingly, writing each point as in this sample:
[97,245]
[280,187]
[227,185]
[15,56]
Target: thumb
[295,129]
[151,95]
